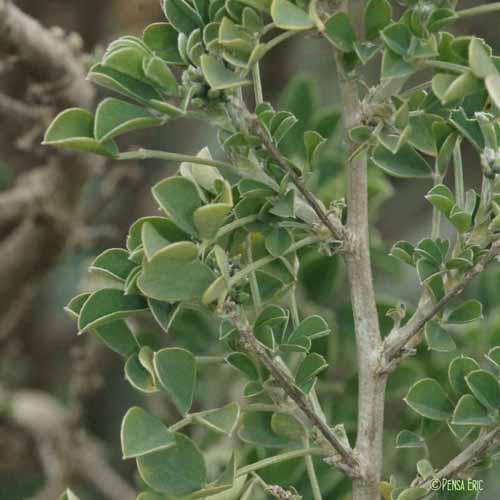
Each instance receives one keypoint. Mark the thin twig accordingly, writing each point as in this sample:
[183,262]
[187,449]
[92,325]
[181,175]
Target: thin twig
[333,224]
[398,339]
[348,462]
[464,460]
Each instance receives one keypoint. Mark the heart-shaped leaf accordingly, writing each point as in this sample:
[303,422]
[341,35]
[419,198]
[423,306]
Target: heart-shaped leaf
[74,129]
[142,433]
[427,398]
[256,429]
[278,241]
[458,369]
[182,16]
[377,16]
[485,388]
[107,305]
[244,364]
[115,117]
[469,412]
[168,278]
[218,76]
[161,38]
[210,218]
[437,338]
[467,311]
[179,198]
[176,372]
[113,262]
[176,471]
[288,16]
[138,376]
[406,163]
[408,439]
[339,31]
[221,420]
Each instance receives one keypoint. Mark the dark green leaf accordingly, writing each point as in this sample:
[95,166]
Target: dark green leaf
[177,471]
[428,398]
[107,305]
[142,433]
[176,371]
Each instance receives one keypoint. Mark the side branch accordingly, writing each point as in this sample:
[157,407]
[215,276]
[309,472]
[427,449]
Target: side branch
[333,224]
[467,458]
[397,341]
[348,463]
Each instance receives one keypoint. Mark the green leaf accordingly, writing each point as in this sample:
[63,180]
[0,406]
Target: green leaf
[256,429]
[168,278]
[68,495]
[161,38]
[285,206]
[458,369]
[441,17]
[218,76]
[408,439]
[480,61]
[394,66]
[244,364]
[115,117]
[469,412]
[494,356]
[142,433]
[107,305]
[339,31]
[462,86]
[442,198]
[397,37]
[469,128]
[117,336]
[437,338]
[427,398]
[182,16]
[405,163]
[153,241]
[177,471]
[470,310]
[493,87]
[377,16]
[403,251]
[287,426]
[165,228]
[123,84]
[179,198]
[127,60]
[278,241]
[113,262]
[313,327]
[312,365]
[176,371]
[288,16]
[158,72]
[138,376]
[210,218]
[163,312]
[421,135]
[485,388]
[74,129]
[204,176]
[221,420]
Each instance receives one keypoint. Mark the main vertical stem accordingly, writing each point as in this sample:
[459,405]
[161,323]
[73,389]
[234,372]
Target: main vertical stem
[371,386]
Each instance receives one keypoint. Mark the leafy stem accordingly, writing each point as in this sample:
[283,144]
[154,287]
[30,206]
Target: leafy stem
[148,154]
